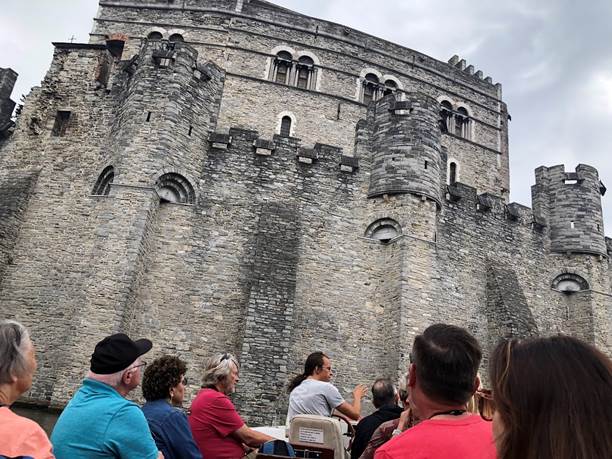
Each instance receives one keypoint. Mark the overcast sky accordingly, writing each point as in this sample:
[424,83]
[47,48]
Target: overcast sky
[553,58]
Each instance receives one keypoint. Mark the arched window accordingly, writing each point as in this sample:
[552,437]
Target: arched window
[285,127]
[570,283]
[384,230]
[390,87]
[155,36]
[452,173]
[176,37]
[283,64]
[305,72]
[462,120]
[103,184]
[446,116]
[175,188]
[370,88]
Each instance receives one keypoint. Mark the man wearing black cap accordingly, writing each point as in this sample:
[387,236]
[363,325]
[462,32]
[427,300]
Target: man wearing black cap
[99,422]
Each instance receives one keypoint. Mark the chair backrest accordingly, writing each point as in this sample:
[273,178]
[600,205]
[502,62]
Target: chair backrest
[322,431]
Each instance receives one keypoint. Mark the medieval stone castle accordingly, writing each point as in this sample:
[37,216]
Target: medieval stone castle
[229,175]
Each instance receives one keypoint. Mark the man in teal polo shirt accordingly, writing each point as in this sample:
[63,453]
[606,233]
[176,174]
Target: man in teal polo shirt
[99,422]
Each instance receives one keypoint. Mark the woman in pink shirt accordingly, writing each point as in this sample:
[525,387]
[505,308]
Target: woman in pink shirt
[19,436]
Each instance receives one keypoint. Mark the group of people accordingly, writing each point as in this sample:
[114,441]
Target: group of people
[100,422]
[550,398]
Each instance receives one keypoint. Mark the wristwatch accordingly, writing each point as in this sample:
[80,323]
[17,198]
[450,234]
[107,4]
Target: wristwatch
[396,432]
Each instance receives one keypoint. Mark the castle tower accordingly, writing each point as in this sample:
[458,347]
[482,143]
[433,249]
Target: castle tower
[569,203]
[405,158]
[168,105]
[153,155]
[406,139]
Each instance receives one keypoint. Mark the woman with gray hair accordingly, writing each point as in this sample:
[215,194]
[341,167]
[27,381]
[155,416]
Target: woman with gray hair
[217,428]
[19,436]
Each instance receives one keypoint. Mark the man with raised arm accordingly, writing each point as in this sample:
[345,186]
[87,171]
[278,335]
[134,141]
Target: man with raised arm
[442,378]
[313,393]
[99,422]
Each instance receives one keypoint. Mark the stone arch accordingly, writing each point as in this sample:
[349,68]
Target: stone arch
[467,132]
[173,187]
[279,122]
[569,282]
[159,30]
[447,118]
[359,81]
[103,184]
[179,32]
[317,65]
[270,70]
[384,230]
[400,87]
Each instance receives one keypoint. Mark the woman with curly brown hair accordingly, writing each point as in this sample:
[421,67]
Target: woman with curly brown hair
[163,386]
[553,399]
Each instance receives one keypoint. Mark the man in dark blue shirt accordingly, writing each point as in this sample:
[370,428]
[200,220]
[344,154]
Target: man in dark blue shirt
[385,398]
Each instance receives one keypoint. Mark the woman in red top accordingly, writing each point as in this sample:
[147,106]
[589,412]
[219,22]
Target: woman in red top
[217,428]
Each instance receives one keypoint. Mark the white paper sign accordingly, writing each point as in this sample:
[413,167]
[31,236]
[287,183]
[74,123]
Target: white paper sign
[310,435]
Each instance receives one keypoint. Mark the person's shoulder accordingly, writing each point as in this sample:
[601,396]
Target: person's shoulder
[176,413]
[23,425]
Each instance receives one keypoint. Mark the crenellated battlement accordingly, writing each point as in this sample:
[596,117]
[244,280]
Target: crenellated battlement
[308,155]
[471,202]
[462,65]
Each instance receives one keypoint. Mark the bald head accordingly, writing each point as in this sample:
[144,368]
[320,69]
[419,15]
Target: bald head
[383,392]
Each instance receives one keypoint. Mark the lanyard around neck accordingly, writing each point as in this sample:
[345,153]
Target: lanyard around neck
[449,412]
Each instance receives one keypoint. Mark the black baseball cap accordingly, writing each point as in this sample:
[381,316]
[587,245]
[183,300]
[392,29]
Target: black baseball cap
[117,352]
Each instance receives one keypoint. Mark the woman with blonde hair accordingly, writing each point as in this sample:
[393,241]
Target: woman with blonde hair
[553,399]
[19,436]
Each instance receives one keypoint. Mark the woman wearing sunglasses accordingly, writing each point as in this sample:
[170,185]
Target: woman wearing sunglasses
[163,387]
[553,399]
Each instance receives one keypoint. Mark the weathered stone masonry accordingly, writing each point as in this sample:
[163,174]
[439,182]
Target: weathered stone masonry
[145,188]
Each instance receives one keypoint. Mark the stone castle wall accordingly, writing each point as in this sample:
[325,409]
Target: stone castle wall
[274,254]
[244,43]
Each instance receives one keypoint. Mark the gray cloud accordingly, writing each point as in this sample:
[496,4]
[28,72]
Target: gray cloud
[553,57]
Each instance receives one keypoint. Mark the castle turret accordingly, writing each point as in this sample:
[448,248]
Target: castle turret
[406,139]
[8,77]
[569,203]
[169,102]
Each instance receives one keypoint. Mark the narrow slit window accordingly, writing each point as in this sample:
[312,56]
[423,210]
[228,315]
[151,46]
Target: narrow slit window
[190,130]
[148,116]
[62,118]
[452,173]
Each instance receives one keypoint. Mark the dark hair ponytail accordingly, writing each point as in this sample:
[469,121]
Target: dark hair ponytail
[314,361]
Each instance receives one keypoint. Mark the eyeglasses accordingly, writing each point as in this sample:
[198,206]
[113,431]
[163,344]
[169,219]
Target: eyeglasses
[329,368]
[486,404]
[141,364]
